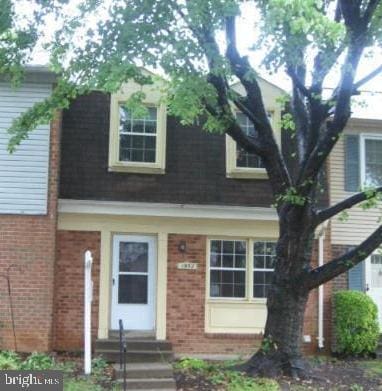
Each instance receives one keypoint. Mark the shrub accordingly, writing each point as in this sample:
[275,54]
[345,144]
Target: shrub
[81,385]
[356,324]
[38,362]
[9,360]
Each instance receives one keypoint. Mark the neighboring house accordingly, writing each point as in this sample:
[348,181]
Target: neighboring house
[179,222]
[355,163]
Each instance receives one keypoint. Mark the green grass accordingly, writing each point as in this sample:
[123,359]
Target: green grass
[220,375]
[73,381]
[372,367]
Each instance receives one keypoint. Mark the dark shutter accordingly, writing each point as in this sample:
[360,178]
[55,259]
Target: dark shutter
[352,163]
[356,277]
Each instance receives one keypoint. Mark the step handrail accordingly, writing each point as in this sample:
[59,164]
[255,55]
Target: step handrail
[122,352]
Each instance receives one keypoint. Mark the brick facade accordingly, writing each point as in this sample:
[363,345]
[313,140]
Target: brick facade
[27,251]
[69,288]
[340,283]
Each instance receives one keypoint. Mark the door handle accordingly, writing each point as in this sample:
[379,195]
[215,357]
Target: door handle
[113,281]
[367,288]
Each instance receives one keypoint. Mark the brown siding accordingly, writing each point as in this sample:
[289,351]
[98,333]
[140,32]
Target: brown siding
[195,164]
[69,287]
[27,251]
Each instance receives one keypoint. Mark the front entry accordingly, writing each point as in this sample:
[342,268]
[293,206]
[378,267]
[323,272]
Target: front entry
[374,282]
[133,283]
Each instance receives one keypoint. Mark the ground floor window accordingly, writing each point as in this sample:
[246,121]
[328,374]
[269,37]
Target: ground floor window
[240,268]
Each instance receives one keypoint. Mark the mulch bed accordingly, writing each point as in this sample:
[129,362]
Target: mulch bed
[333,375]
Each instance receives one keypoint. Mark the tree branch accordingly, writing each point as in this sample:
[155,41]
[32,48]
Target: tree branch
[273,160]
[357,32]
[299,84]
[345,262]
[367,78]
[348,203]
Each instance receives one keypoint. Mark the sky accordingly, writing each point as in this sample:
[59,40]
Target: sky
[369,103]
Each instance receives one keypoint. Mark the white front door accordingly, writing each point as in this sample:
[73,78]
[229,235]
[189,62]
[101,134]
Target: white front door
[374,282]
[133,291]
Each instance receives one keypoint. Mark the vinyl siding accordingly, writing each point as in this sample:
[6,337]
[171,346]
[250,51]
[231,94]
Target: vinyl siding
[23,174]
[361,223]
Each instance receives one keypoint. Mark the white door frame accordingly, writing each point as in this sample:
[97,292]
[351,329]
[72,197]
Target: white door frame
[368,287]
[146,311]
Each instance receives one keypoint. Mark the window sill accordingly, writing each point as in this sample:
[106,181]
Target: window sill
[137,169]
[238,300]
[247,173]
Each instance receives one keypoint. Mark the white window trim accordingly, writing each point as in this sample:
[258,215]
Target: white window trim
[362,146]
[157,167]
[232,170]
[248,298]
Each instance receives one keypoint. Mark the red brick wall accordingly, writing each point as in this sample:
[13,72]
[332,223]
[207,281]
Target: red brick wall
[186,309]
[27,243]
[69,287]
[339,283]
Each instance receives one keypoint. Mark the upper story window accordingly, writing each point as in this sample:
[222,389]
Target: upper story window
[137,136]
[243,158]
[371,164]
[239,163]
[137,144]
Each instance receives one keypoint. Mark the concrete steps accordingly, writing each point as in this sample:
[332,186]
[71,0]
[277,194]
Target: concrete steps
[147,361]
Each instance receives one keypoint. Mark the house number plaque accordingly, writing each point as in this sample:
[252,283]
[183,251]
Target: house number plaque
[187,266]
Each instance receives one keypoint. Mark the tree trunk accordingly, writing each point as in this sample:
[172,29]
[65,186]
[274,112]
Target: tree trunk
[280,352]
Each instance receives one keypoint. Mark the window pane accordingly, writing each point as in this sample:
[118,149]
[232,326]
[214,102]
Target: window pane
[149,156]
[240,247]
[137,155]
[228,246]
[216,276]
[226,290]
[132,289]
[215,260]
[227,260]
[258,262]
[216,246]
[133,257]
[239,290]
[270,262]
[239,277]
[150,142]
[258,291]
[215,290]
[227,277]
[373,163]
[240,261]
[258,277]
[259,248]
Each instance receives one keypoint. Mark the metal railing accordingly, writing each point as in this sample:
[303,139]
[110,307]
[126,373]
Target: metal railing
[122,352]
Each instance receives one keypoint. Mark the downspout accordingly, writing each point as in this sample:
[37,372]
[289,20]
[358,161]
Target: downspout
[321,293]
[320,337]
